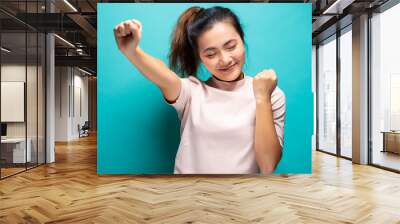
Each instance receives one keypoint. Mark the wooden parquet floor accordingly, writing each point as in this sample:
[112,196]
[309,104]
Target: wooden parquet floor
[70,191]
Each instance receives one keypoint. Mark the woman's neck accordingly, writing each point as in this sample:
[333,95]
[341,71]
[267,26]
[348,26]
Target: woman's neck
[241,76]
[226,85]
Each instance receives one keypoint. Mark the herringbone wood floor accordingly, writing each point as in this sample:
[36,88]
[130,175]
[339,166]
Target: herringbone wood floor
[70,191]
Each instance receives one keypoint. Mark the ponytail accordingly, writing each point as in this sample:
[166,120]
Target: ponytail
[183,58]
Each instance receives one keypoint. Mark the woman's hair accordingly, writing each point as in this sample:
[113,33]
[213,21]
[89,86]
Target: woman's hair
[183,56]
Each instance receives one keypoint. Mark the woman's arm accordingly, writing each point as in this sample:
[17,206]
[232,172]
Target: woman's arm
[157,72]
[128,35]
[267,147]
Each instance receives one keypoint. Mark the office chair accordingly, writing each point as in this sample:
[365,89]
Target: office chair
[84,130]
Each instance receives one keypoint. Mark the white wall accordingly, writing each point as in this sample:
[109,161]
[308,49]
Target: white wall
[62,81]
[70,83]
[12,73]
[15,72]
[80,83]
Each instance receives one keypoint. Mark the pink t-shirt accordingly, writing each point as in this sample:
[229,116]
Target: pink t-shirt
[218,127]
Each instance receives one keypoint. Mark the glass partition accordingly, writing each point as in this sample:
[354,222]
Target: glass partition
[22,77]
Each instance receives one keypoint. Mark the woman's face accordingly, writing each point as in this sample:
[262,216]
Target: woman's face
[222,52]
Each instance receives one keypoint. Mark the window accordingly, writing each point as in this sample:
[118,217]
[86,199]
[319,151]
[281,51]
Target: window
[346,92]
[385,89]
[327,95]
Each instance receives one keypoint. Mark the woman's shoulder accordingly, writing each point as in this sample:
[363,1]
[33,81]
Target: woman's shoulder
[191,80]
[278,92]
[278,96]
[194,80]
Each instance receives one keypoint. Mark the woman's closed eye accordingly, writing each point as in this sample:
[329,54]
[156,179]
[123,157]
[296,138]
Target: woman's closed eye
[210,55]
[231,47]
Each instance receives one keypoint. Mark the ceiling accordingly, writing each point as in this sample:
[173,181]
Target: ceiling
[76,22]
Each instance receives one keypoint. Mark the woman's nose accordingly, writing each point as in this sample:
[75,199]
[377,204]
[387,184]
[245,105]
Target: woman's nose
[225,59]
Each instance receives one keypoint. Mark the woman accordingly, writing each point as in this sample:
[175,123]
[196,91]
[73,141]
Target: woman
[230,123]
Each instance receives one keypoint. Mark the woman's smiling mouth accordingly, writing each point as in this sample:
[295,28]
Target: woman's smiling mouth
[228,68]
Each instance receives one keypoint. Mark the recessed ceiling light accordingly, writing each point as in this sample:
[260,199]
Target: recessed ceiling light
[5,50]
[71,6]
[84,71]
[338,6]
[64,40]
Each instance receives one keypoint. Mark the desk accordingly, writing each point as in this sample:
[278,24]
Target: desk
[391,141]
[17,152]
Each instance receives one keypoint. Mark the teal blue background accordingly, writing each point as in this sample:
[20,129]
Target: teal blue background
[138,133]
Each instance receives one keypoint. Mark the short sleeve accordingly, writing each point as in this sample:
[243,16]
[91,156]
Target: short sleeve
[184,95]
[279,112]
